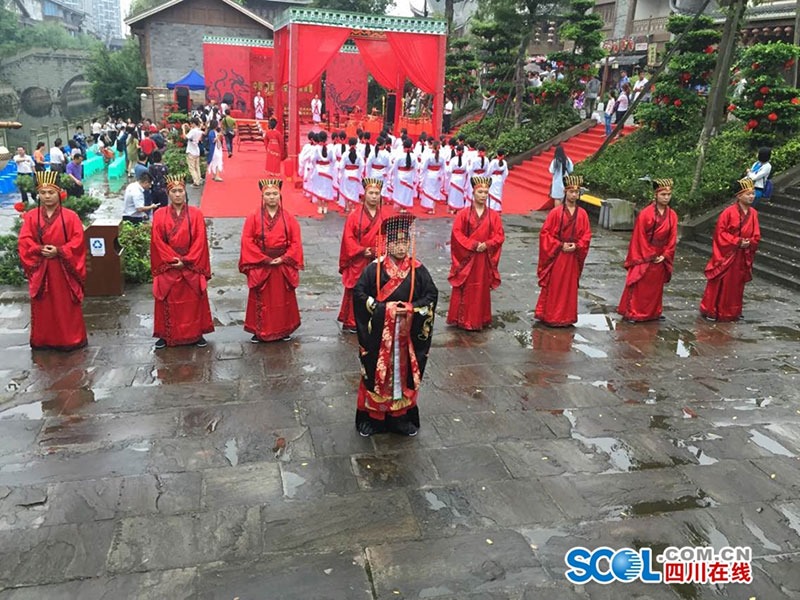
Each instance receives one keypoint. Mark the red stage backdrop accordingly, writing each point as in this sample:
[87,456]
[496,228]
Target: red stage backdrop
[345,84]
[227,73]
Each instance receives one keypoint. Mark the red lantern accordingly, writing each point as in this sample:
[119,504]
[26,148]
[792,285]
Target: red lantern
[772,117]
[732,108]
[789,63]
[560,64]
[665,100]
[752,123]
[20,207]
[709,49]
[764,90]
[795,101]
[755,65]
[686,76]
[677,102]
[759,104]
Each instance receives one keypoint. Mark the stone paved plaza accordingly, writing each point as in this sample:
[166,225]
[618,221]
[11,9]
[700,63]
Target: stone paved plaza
[235,471]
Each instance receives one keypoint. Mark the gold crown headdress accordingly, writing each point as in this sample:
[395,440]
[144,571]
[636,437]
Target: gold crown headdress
[372,182]
[481,181]
[175,181]
[662,184]
[47,179]
[270,182]
[742,185]
[573,181]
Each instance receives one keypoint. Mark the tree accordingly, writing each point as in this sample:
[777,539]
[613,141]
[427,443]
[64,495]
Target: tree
[114,77]
[375,7]
[15,37]
[459,79]
[769,107]
[584,29]
[678,102]
[448,16]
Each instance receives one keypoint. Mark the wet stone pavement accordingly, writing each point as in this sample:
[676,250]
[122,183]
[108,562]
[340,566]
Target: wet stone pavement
[234,471]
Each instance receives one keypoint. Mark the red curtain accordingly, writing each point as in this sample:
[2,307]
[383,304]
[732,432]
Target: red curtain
[418,54]
[280,70]
[346,84]
[325,41]
[381,62]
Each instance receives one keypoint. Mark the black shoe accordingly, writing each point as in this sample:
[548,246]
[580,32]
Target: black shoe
[661,318]
[255,339]
[201,343]
[366,429]
[160,343]
[405,428]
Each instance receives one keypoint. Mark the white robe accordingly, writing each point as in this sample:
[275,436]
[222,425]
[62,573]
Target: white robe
[404,181]
[498,175]
[258,106]
[322,173]
[457,183]
[350,179]
[431,181]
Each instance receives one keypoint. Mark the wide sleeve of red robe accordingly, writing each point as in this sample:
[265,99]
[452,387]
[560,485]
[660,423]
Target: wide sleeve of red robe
[468,232]
[55,284]
[732,227]
[273,141]
[653,236]
[360,232]
[558,228]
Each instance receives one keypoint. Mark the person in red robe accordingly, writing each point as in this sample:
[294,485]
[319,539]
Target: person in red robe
[395,306]
[650,255]
[475,245]
[181,269]
[563,246]
[271,258]
[736,239]
[358,249]
[53,256]
[273,141]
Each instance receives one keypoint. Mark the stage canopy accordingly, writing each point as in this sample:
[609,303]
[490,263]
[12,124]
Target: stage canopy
[192,80]
[392,48]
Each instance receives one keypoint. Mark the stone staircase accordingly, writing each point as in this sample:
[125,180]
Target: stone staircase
[778,256]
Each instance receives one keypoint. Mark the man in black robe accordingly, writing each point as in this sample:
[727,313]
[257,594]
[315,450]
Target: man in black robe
[394,319]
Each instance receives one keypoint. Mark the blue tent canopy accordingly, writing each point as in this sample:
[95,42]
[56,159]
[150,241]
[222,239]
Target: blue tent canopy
[192,80]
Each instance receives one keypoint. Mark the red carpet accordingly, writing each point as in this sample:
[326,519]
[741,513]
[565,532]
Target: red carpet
[527,187]
[528,184]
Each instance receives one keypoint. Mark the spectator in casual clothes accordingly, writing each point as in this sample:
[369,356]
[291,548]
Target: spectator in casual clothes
[560,167]
[131,148]
[75,171]
[160,139]
[760,173]
[147,145]
[229,130]
[38,158]
[640,86]
[97,129]
[57,158]
[136,204]
[193,138]
[25,168]
[80,140]
[158,173]
[623,79]
[611,107]
[592,91]
[622,103]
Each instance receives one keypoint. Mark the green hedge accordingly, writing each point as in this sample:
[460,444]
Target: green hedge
[541,124]
[615,173]
[135,240]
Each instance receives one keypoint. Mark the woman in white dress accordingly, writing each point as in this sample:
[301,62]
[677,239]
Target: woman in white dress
[304,164]
[215,166]
[498,171]
[560,167]
[457,173]
[378,162]
[352,173]
[322,173]
[404,175]
[432,179]
[478,167]
[339,149]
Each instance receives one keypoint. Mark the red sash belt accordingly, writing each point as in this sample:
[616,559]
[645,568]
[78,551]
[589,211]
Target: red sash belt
[323,162]
[458,171]
[351,167]
[497,172]
[378,166]
[405,169]
[328,175]
[408,185]
[433,168]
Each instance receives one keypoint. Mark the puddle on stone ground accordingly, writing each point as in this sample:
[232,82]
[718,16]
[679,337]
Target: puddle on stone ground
[702,457]
[659,422]
[24,411]
[10,311]
[768,444]
[688,502]
[618,453]
[779,332]
[584,346]
[598,322]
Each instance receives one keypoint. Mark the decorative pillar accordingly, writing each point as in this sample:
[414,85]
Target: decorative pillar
[438,98]
[294,116]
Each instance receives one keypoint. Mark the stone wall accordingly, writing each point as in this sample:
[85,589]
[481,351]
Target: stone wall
[176,48]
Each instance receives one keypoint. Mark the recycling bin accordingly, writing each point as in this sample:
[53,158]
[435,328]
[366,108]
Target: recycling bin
[104,266]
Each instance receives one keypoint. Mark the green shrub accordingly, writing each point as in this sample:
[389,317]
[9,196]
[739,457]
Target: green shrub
[135,241]
[178,117]
[786,156]
[175,160]
[11,272]
[83,205]
[616,172]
